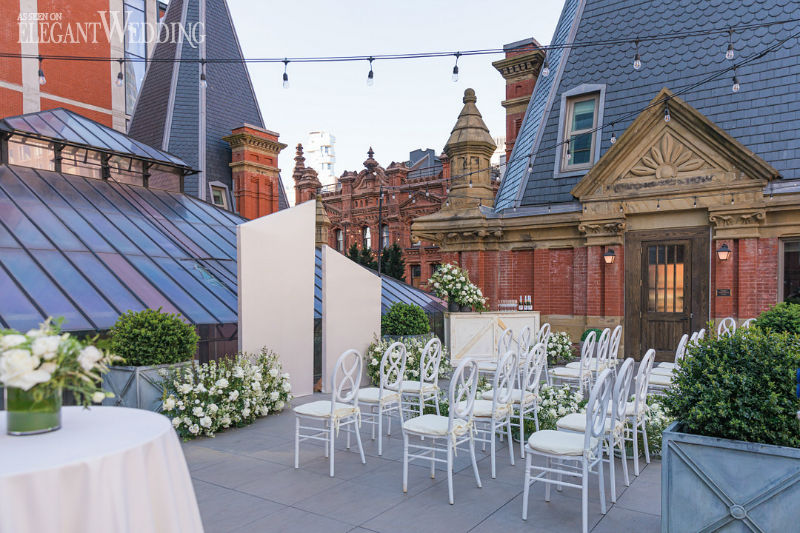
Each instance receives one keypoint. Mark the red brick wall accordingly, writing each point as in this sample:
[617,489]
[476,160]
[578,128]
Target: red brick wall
[751,273]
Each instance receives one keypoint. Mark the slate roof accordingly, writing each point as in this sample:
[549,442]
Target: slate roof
[763,115]
[169,102]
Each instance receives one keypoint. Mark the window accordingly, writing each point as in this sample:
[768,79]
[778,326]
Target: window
[385,236]
[81,162]
[579,135]
[219,196]
[434,266]
[339,240]
[31,153]
[665,278]
[416,274]
[791,271]
[366,238]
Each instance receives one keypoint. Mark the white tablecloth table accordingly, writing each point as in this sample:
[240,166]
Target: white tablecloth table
[108,469]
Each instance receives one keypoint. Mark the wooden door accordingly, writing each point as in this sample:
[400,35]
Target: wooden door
[666,288]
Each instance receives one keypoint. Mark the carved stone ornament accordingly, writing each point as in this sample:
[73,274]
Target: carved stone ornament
[737,219]
[602,228]
[667,159]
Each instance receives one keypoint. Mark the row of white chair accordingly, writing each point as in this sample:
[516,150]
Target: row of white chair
[596,356]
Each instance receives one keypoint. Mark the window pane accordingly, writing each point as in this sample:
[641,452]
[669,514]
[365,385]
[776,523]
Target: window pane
[791,271]
[31,153]
[102,277]
[580,149]
[583,115]
[17,311]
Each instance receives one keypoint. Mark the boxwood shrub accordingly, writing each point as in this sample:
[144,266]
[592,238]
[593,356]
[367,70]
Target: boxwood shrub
[405,319]
[152,337]
[784,317]
[597,333]
[740,387]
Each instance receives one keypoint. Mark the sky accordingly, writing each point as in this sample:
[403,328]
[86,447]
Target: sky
[413,103]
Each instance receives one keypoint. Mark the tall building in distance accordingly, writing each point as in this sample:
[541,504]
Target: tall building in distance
[92,28]
[320,154]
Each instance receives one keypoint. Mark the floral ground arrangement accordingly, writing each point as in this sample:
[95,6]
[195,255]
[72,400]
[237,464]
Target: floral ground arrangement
[451,283]
[414,347]
[207,398]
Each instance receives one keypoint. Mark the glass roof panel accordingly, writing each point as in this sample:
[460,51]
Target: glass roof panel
[207,290]
[17,311]
[67,133]
[106,281]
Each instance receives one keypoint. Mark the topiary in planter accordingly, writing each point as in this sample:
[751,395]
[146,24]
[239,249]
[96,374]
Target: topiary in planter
[784,317]
[740,387]
[152,337]
[405,319]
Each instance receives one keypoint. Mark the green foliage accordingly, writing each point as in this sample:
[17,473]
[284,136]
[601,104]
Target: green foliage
[392,262]
[362,256]
[784,317]
[152,337]
[739,387]
[405,319]
[597,333]
[414,347]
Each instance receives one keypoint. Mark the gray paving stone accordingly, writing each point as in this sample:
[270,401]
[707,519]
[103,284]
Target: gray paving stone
[225,510]
[289,486]
[291,520]
[353,503]
[235,471]
[619,520]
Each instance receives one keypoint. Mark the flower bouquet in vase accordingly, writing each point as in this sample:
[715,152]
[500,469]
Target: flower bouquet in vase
[35,368]
[452,283]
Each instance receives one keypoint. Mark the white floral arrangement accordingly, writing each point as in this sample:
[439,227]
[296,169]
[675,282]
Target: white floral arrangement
[46,361]
[657,422]
[557,402]
[559,348]
[451,282]
[210,397]
[414,347]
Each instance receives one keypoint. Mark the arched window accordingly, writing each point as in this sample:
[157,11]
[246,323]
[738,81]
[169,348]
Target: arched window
[385,236]
[339,240]
[367,238]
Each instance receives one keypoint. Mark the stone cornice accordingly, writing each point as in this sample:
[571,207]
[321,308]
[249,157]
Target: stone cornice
[254,167]
[520,65]
[247,139]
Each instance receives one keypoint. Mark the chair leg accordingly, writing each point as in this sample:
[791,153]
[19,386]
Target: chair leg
[297,442]
[358,441]
[433,464]
[389,421]
[474,462]
[644,440]
[372,413]
[436,399]
[585,496]
[521,432]
[492,448]
[536,416]
[450,470]
[612,469]
[636,448]
[327,448]
[526,487]
[332,440]
[510,442]
[624,457]
[548,464]
[602,482]
[380,430]
[405,462]
[349,430]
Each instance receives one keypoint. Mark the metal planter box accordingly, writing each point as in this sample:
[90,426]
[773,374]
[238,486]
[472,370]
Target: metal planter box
[712,484]
[137,386]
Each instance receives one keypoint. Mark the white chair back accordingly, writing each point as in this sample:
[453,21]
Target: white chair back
[602,348]
[597,409]
[463,387]
[504,378]
[543,335]
[346,378]
[505,342]
[622,386]
[726,327]
[586,352]
[680,352]
[643,380]
[534,365]
[393,367]
[524,340]
[429,362]
[693,338]
[747,323]
[701,334]
[613,351]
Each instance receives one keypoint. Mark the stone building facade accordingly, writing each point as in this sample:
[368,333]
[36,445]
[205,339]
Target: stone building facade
[625,190]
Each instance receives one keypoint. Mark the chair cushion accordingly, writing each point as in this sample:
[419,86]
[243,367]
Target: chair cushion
[592,363]
[577,422]
[322,409]
[558,442]
[413,387]
[563,372]
[371,395]
[661,371]
[487,365]
[660,380]
[483,409]
[516,395]
[434,425]
[667,365]
[630,408]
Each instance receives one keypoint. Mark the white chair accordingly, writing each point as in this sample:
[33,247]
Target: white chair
[426,388]
[575,454]
[526,398]
[701,335]
[445,433]
[581,376]
[636,410]
[613,350]
[747,323]
[543,336]
[666,369]
[503,345]
[341,411]
[494,413]
[524,340]
[615,425]
[600,359]
[726,327]
[384,399]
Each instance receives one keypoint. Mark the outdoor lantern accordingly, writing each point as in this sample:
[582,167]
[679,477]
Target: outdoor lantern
[723,252]
[609,256]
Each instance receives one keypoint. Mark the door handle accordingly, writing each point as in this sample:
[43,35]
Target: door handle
[691,315]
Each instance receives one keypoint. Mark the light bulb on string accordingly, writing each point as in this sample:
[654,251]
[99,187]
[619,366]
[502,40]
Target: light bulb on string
[203,80]
[666,112]
[658,204]
[120,79]
[637,60]
[530,163]
[285,74]
[371,75]
[455,67]
[545,68]
[470,183]
[729,53]
[613,135]
[42,79]
[736,85]
[695,202]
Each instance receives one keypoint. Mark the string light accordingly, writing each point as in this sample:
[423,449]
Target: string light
[637,60]
[729,52]
[470,183]
[695,201]
[666,111]
[120,80]
[203,80]
[613,136]
[545,67]
[736,85]
[371,75]
[42,79]
[658,204]
[455,67]
[530,163]
[285,74]
[732,198]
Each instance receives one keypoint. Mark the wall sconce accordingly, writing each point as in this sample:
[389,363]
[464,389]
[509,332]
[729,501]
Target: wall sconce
[609,257]
[723,252]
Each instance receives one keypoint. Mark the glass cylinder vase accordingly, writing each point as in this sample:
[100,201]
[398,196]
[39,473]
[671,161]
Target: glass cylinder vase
[30,412]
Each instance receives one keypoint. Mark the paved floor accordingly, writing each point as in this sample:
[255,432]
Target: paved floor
[245,481]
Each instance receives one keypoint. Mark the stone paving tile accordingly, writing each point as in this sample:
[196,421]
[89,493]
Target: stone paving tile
[619,520]
[289,486]
[199,456]
[291,520]
[235,471]
[223,509]
[353,503]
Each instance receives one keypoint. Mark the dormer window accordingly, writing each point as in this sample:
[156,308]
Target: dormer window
[580,133]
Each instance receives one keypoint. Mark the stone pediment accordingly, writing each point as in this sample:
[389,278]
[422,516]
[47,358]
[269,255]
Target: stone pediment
[685,155]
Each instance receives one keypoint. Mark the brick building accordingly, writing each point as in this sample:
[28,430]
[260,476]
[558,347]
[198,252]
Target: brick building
[91,88]
[626,188]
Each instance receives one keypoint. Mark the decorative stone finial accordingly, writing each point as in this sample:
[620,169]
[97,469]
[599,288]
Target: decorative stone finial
[370,163]
[469,96]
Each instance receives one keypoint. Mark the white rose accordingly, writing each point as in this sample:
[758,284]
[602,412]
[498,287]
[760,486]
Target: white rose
[287,386]
[273,372]
[373,362]
[246,412]
[9,341]
[169,404]
[185,388]
[194,429]
[200,388]
[197,411]
[274,395]
[46,347]
[238,372]
[225,421]
[222,383]
[279,406]
[233,395]
[98,397]
[212,408]
[176,422]
[18,369]
[205,422]
[88,357]
[285,375]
